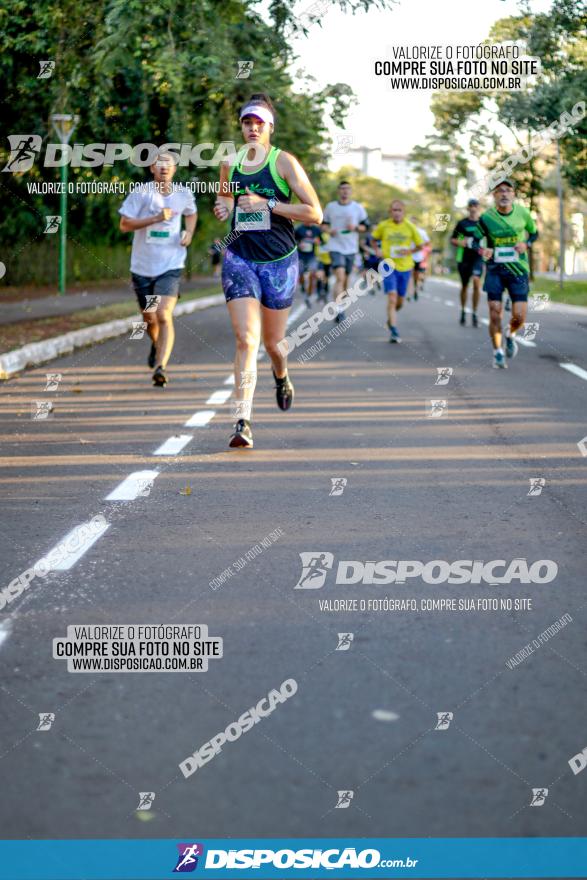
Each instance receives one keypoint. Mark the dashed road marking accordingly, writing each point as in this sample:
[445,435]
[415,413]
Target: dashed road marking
[219,397]
[575,370]
[4,631]
[133,486]
[173,445]
[73,546]
[200,418]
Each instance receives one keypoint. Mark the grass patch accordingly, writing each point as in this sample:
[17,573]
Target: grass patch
[22,333]
[574,292]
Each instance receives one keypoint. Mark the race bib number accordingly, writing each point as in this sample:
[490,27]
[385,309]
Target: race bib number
[396,251]
[251,221]
[469,242]
[306,247]
[158,236]
[506,254]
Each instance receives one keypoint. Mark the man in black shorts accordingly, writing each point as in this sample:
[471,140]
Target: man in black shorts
[466,237]
[153,213]
[308,238]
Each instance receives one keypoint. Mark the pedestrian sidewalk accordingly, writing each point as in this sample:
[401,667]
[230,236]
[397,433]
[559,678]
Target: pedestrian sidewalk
[30,309]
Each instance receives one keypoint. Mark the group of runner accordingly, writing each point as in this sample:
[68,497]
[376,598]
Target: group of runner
[265,255]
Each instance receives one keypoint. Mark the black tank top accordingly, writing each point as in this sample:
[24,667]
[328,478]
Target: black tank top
[262,245]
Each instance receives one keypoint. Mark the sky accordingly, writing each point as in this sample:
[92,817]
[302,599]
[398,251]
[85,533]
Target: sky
[345,47]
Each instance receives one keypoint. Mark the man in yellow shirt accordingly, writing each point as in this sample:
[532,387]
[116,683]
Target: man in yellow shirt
[398,239]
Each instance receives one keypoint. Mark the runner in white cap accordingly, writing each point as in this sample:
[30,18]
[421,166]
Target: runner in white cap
[260,268]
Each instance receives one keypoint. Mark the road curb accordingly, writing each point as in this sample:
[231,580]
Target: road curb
[39,352]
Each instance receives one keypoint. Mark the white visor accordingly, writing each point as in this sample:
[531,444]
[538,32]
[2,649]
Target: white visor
[257,110]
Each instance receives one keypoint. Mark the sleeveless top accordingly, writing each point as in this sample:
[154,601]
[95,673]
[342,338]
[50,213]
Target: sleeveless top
[261,245]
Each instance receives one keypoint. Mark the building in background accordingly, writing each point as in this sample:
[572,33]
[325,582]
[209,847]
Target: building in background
[392,168]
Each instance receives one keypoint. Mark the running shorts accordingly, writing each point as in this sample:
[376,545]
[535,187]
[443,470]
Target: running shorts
[308,263]
[466,270]
[160,285]
[344,261]
[397,281]
[371,263]
[497,280]
[272,284]
[419,266]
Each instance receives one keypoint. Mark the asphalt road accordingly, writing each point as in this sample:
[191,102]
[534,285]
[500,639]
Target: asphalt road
[363,719]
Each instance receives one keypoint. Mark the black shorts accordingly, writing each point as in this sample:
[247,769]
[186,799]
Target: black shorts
[308,262]
[160,285]
[418,267]
[466,270]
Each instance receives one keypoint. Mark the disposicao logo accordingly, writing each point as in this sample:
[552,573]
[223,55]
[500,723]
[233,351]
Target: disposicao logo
[317,564]
[187,859]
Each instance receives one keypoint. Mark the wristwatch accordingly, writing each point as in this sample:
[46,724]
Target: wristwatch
[271,203]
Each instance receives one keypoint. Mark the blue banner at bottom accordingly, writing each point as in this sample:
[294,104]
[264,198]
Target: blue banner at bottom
[226,858]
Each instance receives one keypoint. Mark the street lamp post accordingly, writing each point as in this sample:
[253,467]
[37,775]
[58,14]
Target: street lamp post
[561,217]
[64,125]
[451,173]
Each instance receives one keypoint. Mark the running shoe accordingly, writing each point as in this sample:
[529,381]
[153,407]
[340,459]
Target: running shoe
[475,320]
[243,436]
[152,355]
[395,337]
[415,295]
[463,320]
[159,377]
[284,392]
[307,301]
[340,317]
[511,347]
[499,359]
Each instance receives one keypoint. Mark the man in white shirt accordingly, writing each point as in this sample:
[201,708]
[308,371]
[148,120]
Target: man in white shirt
[153,213]
[343,219]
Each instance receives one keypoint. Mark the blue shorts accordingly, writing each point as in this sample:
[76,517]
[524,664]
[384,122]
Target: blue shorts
[498,279]
[272,284]
[397,281]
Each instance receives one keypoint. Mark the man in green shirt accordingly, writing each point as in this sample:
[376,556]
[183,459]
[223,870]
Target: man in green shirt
[509,230]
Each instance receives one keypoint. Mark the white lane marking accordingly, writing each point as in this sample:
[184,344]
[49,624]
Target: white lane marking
[527,342]
[575,370]
[218,398]
[174,444]
[296,314]
[4,631]
[71,548]
[384,715]
[200,418]
[448,302]
[133,486]
[229,380]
